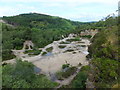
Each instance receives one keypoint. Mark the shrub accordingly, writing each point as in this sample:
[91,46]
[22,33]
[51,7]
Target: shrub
[70,71]
[44,53]
[64,42]
[59,75]
[79,64]
[74,39]
[21,75]
[83,45]
[106,71]
[87,36]
[7,55]
[33,52]
[69,50]
[80,80]
[61,46]
[65,66]
[74,52]
[49,49]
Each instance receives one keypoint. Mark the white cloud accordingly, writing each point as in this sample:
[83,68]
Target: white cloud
[65,1]
[84,16]
[11,10]
[6,11]
[74,7]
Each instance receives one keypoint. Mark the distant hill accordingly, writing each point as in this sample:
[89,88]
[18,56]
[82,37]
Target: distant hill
[41,21]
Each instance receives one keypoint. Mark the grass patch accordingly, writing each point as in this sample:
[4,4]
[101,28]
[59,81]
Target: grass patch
[7,55]
[74,39]
[49,49]
[69,50]
[61,75]
[4,64]
[33,52]
[83,45]
[80,79]
[61,46]
[71,40]
[64,42]
[65,66]
[86,36]
[74,52]
[44,53]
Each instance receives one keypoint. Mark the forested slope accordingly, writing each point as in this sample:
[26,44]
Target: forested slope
[41,21]
[105,55]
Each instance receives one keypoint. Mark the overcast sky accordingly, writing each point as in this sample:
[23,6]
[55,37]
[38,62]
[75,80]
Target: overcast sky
[78,10]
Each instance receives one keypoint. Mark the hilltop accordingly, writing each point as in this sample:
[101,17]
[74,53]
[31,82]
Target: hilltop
[41,21]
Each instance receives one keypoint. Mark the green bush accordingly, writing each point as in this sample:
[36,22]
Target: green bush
[69,50]
[64,42]
[65,66]
[59,75]
[85,68]
[49,49]
[70,71]
[74,39]
[80,80]
[106,71]
[74,52]
[83,45]
[7,55]
[21,75]
[33,52]
[44,53]
[61,46]
[79,64]
[86,36]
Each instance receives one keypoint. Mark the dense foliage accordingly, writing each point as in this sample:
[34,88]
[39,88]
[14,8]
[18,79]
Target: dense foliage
[80,80]
[61,75]
[21,75]
[105,44]
[105,73]
[104,52]
[41,21]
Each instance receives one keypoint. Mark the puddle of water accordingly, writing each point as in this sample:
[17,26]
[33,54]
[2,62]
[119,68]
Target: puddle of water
[37,70]
[64,70]
[86,52]
[53,77]
[49,54]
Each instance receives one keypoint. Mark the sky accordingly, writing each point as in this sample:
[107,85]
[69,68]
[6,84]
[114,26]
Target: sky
[77,10]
